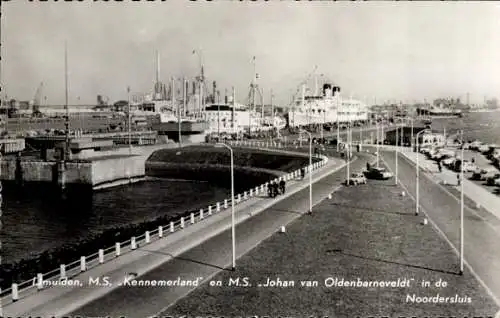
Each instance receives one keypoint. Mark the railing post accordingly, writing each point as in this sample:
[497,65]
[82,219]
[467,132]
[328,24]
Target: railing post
[201,214]
[172,227]
[39,281]
[209,210]
[62,270]
[192,218]
[101,256]
[117,249]
[245,196]
[133,243]
[217,207]
[238,198]
[83,264]
[160,231]
[256,190]
[225,203]
[15,292]
[148,237]
[182,222]
[262,187]
[251,193]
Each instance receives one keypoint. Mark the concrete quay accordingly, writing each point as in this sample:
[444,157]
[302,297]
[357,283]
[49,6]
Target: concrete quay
[57,301]
[111,168]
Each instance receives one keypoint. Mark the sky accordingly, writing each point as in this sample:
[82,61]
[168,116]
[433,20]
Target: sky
[375,51]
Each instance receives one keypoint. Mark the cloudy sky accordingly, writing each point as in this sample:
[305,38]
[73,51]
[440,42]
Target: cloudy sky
[398,51]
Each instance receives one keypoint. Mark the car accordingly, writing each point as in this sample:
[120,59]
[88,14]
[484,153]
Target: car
[449,161]
[479,174]
[357,178]
[469,166]
[378,173]
[490,180]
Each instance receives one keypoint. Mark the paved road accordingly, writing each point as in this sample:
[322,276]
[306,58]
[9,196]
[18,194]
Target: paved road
[481,249]
[211,256]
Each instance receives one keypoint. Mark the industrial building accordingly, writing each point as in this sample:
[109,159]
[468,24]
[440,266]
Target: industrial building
[428,138]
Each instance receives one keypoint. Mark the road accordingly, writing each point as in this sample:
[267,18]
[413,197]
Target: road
[210,257]
[481,251]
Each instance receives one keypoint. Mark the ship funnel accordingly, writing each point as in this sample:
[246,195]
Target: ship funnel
[336,90]
[327,90]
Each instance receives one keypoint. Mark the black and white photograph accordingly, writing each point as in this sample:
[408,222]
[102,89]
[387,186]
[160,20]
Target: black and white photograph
[251,159]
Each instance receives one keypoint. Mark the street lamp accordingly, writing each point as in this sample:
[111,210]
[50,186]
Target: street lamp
[378,148]
[462,208]
[417,169]
[219,145]
[310,167]
[397,155]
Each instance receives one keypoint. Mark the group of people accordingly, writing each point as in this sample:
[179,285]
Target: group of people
[275,188]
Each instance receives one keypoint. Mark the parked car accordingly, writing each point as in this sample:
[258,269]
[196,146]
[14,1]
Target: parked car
[490,180]
[357,178]
[479,174]
[483,149]
[475,145]
[448,162]
[378,173]
[469,166]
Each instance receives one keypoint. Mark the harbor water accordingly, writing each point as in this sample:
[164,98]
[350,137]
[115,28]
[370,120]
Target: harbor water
[484,127]
[34,222]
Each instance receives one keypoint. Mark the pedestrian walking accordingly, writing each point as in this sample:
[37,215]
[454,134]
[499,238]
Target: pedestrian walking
[275,189]
[473,160]
[439,166]
[282,186]
[302,172]
[458,179]
[368,166]
[270,190]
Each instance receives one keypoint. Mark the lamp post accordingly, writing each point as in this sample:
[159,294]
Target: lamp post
[397,155]
[378,148]
[129,122]
[339,103]
[417,169]
[462,209]
[233,237]
[310,167]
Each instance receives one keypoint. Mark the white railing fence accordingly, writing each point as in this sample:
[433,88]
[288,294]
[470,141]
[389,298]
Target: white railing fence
[42,281]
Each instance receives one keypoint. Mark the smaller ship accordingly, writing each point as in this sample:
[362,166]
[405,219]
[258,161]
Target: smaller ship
[439,112]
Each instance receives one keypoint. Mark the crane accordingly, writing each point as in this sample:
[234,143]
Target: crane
[37,100]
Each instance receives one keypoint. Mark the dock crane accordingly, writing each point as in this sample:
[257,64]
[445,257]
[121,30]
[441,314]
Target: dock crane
[37,101]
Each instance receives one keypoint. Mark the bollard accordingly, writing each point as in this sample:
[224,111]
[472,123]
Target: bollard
[478,206]
[192,218]
[425,221]
[330,196]
[160,230]
[217,207]
[209,210]
[15,292]
[444,182]
[201,214]
[62,271]
[148,237]
[403,193]
[83,264]
[245,195]
[117,249]
[101,256]
[133,243]
[39,281]
[225,203]
[182,222]
[282,230]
